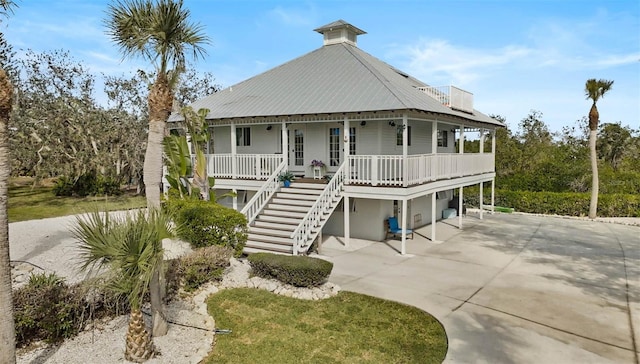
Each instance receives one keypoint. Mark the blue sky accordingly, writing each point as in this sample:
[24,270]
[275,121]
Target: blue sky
[514,55]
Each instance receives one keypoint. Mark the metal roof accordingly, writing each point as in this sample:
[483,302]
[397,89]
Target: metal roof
[337,78]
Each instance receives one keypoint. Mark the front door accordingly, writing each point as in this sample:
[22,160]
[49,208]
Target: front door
[336,146]
[296,148]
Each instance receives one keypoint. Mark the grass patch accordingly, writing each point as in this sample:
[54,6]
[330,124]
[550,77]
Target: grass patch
[26,203]
[347,328]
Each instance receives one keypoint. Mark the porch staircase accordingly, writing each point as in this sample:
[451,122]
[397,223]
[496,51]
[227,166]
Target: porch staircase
[272,229]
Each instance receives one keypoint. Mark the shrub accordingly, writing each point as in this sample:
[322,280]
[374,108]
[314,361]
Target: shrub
[63,186]
[50,310]
[203,265]
[88,184]
[299,271]
[204,223]
[560,203]
[45,309]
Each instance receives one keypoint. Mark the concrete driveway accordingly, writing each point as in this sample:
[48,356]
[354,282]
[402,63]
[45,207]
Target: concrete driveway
[512,288]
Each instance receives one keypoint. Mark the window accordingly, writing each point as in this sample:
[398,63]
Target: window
[334,147]
[298,147]
[399,135]
[243,137]
[443,138]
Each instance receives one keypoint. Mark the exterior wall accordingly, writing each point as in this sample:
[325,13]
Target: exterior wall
[367,221]
[222,139]
[420,213]
[263,141]
[375,137]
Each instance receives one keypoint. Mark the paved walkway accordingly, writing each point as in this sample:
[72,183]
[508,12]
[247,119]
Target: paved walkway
[512,288]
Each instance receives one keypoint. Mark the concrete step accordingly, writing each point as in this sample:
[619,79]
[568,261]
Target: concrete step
[301,191]
[293,214]
[275,226]
[269,232]
[259,247]
[269,239]
[285,201]
[275,206]
[296,196]
[309,186]
[279,219]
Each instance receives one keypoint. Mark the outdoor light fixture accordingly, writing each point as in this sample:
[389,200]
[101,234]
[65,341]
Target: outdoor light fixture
[363,123]
[269,127]
[392,123]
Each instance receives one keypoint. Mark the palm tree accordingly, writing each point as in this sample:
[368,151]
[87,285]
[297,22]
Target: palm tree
[160,32]
[7,326]
[594,90]
[129,249]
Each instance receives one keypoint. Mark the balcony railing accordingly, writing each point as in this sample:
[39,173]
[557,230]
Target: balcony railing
[391,170]
[245,166]
[451,96]
[375,170]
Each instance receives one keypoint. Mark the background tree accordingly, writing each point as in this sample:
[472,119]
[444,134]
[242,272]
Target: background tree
[594,90]
[613,143]
[7,326]
[161,33]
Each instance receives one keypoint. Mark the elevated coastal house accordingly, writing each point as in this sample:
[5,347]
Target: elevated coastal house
[387,142]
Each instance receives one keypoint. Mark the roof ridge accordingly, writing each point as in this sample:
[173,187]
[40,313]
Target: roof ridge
[371,68]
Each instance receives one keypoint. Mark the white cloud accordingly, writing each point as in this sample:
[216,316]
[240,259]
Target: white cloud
[294,17]
[444,62]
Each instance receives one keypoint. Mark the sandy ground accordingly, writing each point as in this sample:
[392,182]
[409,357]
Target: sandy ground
[47,244]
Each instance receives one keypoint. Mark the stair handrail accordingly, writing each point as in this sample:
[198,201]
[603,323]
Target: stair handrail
[323,203]
[264,194]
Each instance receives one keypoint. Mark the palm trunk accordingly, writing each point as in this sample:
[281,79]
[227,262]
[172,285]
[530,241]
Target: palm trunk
[7,325]
[139,344]
[593,206]
[160,103]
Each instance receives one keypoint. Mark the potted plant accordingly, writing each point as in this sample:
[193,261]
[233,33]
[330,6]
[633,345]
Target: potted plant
[286,177]
[318,168]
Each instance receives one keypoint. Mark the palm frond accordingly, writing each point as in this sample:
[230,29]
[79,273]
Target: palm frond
[159,32]
[129,246]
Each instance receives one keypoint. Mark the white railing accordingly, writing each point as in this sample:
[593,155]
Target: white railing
[451,96]
[264,194]
[389,170]
[247,166]
[327,200]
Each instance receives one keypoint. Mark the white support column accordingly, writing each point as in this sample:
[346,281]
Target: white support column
[461,140]
[493,194]
[234,151]
[235,199]
[482,140]
[405,150]
[434,150]
[433,216]
[480,199]
[347,226]
[403,250]
[493,148]
[285,143]
[460,208]
[345,144]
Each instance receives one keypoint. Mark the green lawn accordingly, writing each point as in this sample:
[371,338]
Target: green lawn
[348,328]
[26,203]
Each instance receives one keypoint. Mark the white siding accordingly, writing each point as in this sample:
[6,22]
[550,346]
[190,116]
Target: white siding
[222,139]
[367,221]
[420,137]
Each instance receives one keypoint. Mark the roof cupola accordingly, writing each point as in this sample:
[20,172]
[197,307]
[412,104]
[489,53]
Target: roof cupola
[340,32]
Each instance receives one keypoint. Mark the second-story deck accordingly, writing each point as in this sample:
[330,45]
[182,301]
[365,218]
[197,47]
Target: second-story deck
[364,170]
